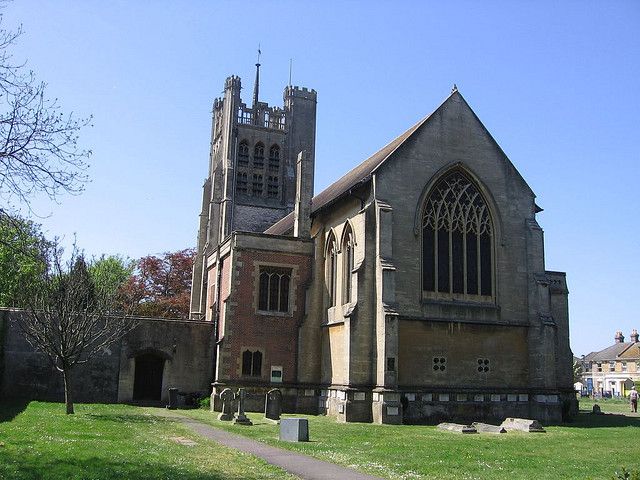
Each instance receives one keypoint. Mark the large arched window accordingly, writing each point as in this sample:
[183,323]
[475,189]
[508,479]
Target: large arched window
[347,263]
[331,266]
[457,239]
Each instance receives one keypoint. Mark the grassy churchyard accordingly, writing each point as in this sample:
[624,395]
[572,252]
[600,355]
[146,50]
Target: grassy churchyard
[38,441]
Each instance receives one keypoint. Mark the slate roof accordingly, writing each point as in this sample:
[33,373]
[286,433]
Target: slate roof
[363,173]
[354,178]
[610,353]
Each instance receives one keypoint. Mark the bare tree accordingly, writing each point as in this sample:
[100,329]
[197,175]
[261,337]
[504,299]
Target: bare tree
[39,150]
[71,319]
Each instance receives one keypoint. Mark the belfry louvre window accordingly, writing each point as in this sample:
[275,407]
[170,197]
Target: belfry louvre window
[256,186]
[457,239]
[273,295]
[274,158]
[258,155]
[252,363]
[241,183]
[243,153]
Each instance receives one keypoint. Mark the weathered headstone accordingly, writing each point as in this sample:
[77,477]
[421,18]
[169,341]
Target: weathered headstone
[294,429]
[173,399]
[487,428]
[273,404]
[457,427]
[522,425]
[227,397]
[241,419]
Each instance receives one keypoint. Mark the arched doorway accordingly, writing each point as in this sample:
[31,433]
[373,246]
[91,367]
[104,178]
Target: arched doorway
[147,384]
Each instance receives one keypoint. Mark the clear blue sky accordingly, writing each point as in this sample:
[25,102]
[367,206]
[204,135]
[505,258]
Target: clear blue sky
[556,83]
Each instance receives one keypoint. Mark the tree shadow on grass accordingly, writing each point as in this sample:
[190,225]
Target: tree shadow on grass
[30,468]
[129,418]
[10,409]
[589,420]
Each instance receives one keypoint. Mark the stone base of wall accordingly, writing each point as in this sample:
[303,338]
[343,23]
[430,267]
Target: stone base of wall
[384,406]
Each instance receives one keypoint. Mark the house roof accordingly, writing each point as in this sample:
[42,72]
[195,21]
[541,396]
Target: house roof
[613,352]
[354,178]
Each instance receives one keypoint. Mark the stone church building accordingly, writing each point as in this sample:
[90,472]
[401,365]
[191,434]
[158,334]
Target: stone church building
[413,289]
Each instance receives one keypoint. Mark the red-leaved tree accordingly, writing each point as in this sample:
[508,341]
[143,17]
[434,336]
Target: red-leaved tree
[161,286]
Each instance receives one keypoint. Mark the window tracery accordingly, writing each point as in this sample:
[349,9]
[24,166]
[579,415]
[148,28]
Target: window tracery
[457,239]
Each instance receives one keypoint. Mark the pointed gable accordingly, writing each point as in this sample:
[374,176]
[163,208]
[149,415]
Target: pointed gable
[363,172]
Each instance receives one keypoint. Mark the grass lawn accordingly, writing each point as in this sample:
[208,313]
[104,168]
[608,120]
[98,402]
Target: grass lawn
[38,441]
[593,447]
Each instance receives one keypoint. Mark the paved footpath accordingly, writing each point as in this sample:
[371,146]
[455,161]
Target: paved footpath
[303,466]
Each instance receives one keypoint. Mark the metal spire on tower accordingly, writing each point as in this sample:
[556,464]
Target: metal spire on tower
[256,88]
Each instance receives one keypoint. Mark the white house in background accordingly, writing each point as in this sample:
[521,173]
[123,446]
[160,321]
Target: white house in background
[614,369]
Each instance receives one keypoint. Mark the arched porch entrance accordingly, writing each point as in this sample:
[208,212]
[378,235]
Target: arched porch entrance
[147,384]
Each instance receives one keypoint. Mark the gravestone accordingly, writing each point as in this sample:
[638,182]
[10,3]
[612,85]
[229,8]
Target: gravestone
[173,399]
[457,427]
[294,430]
[227,397]
[273,404]
[241,419]
[487,428]
[522,425]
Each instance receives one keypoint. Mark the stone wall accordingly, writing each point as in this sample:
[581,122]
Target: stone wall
[109,376]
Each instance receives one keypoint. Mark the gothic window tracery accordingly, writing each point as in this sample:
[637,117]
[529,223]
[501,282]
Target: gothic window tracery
[457,239]
[273,294]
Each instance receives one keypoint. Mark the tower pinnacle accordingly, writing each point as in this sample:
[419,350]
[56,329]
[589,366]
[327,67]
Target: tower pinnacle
[256,87]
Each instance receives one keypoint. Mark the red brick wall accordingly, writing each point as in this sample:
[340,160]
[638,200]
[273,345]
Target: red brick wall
[275,335]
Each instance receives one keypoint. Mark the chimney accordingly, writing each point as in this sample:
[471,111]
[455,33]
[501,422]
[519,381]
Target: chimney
[634,336]
[619,337]
[302,211]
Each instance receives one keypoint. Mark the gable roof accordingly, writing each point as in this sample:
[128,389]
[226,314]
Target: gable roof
[612,352]
[362,173]
[355,177]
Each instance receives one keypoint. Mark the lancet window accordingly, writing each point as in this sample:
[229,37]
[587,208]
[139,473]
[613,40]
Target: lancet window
[347,263]
[457,239]
[331,266]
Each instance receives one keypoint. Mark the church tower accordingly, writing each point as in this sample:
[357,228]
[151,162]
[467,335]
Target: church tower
[251,182]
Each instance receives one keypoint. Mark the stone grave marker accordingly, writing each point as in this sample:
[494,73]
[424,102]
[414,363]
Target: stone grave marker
[273,404]
[227,397]
[241,419]
[522,424]
[457,427]
[294,430]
